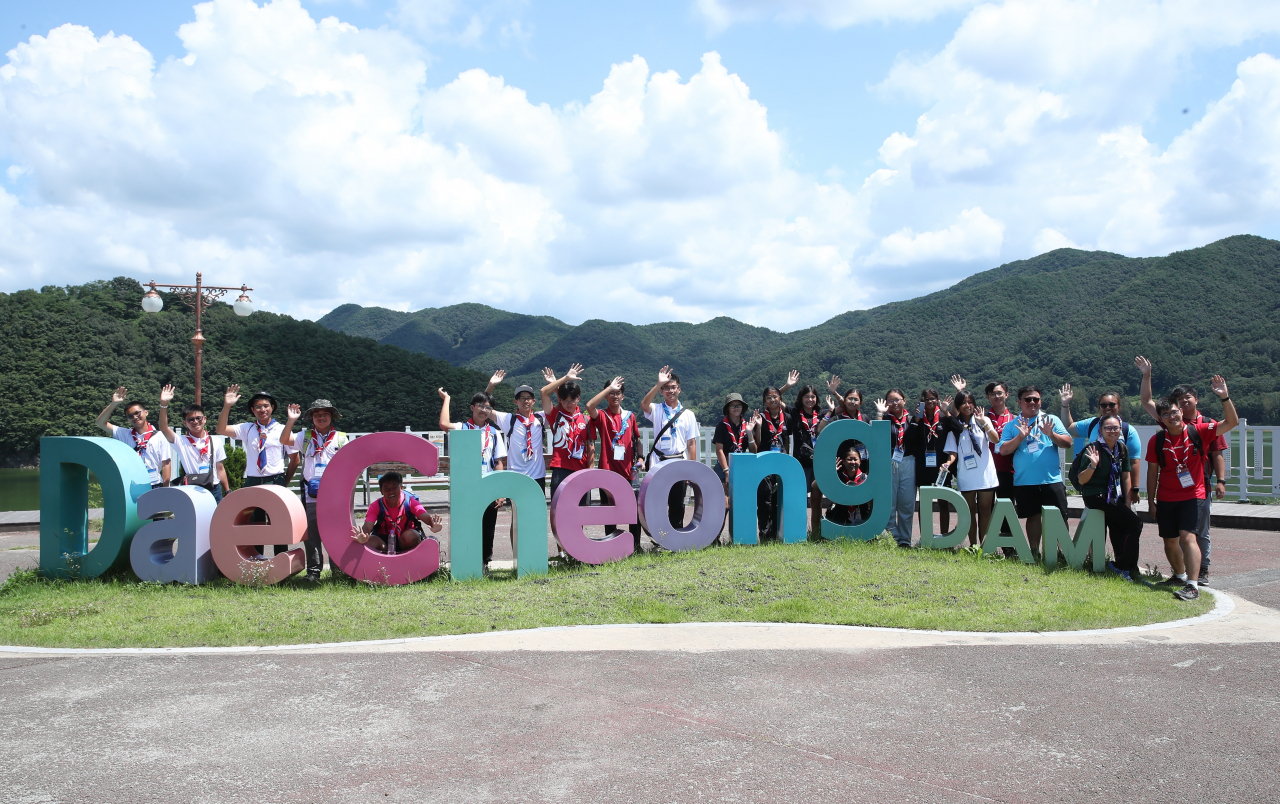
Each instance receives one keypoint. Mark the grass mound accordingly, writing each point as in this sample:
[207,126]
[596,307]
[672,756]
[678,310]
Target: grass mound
[845,583]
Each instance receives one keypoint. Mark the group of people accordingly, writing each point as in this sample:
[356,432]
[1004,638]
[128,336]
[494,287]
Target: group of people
[989,452]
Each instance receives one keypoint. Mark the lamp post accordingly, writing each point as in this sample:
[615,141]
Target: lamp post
[198,297]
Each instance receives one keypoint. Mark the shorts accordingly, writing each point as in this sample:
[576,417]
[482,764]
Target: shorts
[1028,500]
[1175,517]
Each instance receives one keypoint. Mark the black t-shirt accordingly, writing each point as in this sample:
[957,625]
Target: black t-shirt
[724,437]
[803,431]
[776,432]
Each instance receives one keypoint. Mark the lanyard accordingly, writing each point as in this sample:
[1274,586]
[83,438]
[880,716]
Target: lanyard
[671,416]
[741,435]
[970,428]
[619,429]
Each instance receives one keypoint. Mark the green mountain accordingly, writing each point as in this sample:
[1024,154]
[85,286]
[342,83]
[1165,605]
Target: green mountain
[1065,316]
[64,349]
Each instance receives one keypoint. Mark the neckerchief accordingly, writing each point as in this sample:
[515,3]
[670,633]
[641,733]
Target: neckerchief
[316,447]
[140,439]
[932,425]
[262,443]
[528,434]
[485,435]
[741,435]
[393,521]
[201,446]
[899,429]
[620,428]
[774,428]
[1113,477]
[970,428]
[858,477]
[810,427]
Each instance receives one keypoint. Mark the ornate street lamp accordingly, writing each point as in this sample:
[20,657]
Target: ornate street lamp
[197,297]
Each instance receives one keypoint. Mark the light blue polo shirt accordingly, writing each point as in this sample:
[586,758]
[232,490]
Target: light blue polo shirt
[1131,442]
[1040,467]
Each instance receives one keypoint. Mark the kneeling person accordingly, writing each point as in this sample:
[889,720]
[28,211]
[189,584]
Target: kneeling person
[393,524]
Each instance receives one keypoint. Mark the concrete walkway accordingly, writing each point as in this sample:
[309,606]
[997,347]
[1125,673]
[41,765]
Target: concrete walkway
[714,712]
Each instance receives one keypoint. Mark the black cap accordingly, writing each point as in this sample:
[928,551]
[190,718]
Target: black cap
[264,395]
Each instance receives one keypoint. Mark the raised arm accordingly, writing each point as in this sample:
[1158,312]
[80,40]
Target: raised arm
[117,398]
[616,385]
[286,435]
[166,396]
[1011,446]
[445,423]
[1067,395]
[575,371]
[793,377]
[664,377]
[1144,365]
[1229,416]
[231,397]
[498,376]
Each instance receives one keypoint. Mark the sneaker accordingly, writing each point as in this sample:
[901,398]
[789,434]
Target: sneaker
[1204,578]
[1187,592]
[313,576]
[1173,581]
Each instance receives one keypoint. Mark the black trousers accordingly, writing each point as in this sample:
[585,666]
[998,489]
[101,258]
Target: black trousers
[488,522]
[260,518]
[675,505]
[767,508]
[1125,528]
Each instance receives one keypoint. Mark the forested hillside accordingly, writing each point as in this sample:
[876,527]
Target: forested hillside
[1065,316]
[63,350]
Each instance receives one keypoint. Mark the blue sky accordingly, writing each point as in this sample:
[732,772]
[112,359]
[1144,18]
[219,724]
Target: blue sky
[886,148]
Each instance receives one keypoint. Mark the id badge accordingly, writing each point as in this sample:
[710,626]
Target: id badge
[898,455]
[619,452]
[775,447]
[970,462]
[1033,447]
[202,469]
[318,470]
[930,460]
[1185,478]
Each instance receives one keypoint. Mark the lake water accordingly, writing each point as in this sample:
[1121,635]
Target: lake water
[19,489]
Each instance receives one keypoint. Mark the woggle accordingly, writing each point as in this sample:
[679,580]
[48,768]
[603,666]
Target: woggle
[65,463]
[942,541]
[876,488]
[746,472]
[231,535]
[151,554]
[470,494]
[568,517]
[333,509]
[708,507]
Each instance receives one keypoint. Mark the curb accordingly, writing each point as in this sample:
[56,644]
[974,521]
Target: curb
[1223,605]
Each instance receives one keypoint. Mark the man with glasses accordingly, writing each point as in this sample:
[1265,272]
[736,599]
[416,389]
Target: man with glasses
[1185,397]
[139,435]
[1086,431]
[1035,440]
[200,452]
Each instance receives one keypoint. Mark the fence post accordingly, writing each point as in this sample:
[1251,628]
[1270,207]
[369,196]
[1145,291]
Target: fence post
[1243,429]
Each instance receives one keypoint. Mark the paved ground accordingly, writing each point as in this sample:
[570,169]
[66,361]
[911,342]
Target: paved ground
[675,715]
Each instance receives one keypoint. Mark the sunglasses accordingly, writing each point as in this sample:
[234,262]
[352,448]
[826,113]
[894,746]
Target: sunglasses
[194,419]
[1108,404]
[137,414]
[1035,400]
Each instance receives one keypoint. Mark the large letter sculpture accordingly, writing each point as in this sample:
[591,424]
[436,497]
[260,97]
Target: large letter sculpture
[470,494]
[708,506]
[151,553]
[65,463]
[1002,514]
[231,533]
[942,541]
[1090,535]
[746,472]
[877,488]
[568,518]
[333,509]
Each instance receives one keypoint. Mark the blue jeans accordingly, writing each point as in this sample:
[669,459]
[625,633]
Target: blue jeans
[904,500]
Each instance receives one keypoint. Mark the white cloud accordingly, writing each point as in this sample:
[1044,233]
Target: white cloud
[829,13]
[461,22]
[974,235]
